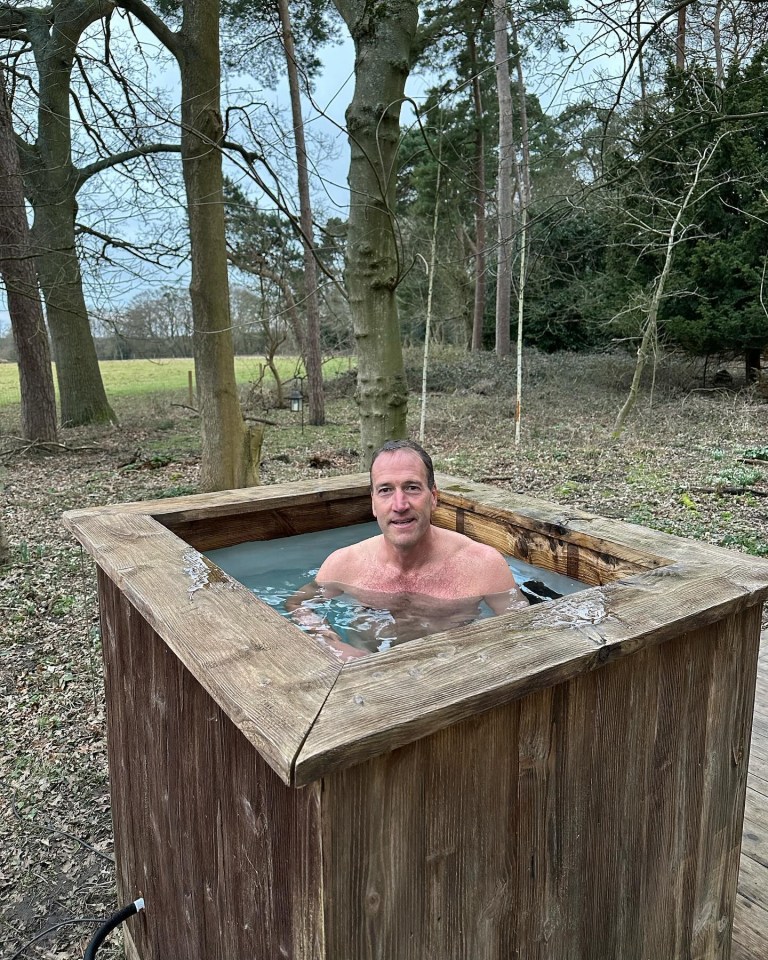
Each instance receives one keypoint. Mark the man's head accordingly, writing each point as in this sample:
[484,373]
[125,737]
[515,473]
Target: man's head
[391,446]
[403,493]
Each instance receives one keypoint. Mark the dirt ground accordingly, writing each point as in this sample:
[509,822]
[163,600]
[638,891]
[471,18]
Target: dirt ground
[693,463]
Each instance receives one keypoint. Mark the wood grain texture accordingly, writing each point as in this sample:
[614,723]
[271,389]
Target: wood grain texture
[385,702]
[562,782]
[268,677]
[597,818]
[226,856]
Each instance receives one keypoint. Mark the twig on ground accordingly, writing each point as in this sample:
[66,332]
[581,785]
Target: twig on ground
[24,446]
[731,491]
[271,423]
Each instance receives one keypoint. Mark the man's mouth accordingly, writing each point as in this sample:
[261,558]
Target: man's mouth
[402,523]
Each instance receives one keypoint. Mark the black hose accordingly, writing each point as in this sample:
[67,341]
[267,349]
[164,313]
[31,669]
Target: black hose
[109,925]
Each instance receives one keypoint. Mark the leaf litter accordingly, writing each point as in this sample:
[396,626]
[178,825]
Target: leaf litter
[55,828]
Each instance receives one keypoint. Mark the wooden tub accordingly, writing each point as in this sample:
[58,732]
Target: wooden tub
[566,781]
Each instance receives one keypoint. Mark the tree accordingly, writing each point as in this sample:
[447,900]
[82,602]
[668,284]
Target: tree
[506,154]
[655,295]
[458,35]
[384,37]
[52,180]
[312,358]
[51,184]
[230,449]
[38,400]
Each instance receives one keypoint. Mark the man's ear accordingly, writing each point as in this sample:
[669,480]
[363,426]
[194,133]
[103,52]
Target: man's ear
[434,497]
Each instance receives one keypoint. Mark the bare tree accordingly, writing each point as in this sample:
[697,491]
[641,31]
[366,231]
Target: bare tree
[675,234]
[17,267]
[478,189]
[312,357]
[52,182]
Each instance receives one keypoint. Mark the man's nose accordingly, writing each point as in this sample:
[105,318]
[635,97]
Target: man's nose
[400,500]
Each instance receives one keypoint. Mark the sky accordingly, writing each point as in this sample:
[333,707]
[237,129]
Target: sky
[324,121]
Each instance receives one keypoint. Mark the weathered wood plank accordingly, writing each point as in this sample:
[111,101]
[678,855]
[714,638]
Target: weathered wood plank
[750,937]
[268,677]
[754,843]
[377,703]
[549,546]
[231,503]
[204,829]
[418,860]
[589,529]
[621,834]
[750,940]
[210,533]
[753,883]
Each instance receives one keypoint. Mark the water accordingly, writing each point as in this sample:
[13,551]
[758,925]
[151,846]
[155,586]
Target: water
[276,569]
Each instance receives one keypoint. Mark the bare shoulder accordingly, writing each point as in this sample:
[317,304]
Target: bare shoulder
[487,565]
[344,565]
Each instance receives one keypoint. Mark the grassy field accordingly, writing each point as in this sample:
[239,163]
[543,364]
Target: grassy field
[124,378]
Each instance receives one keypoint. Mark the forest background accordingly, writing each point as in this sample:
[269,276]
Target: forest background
[575,208]
[576,176]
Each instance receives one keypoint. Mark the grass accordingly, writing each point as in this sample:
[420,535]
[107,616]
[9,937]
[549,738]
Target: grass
[125,378]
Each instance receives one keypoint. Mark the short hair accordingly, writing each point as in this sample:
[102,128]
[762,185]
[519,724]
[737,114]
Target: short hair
[391,446]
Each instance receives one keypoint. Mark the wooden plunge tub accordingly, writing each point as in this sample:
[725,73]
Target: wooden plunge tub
[566,781]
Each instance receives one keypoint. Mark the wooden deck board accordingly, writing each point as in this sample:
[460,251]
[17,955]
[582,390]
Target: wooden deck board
[750,925]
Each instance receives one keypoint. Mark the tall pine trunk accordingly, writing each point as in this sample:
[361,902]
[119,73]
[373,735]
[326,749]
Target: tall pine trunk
[312,353]
[478,189]
[504,183]
[384,37]
[17,267]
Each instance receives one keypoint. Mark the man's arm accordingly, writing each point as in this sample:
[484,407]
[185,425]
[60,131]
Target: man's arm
[302,607]
[502,593]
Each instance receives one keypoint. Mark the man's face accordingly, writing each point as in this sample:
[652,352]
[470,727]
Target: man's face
[402,501]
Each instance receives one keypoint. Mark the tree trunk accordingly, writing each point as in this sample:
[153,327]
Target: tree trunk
[312,355]
[680,38]
[650,332]
[384,37]
[641,59]
[230,449]
[81,390]
[51,185]
[524,191]
[38,400]
[752,364]
[478,313]
[504,185]
[5,553]
[717,41]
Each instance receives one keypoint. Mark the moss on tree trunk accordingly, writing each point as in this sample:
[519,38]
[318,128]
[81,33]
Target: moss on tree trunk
[384,36]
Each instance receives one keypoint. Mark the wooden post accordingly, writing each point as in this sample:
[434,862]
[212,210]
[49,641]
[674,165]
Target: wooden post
[190,389]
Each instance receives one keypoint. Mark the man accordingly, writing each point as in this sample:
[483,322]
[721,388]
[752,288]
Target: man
[426,578]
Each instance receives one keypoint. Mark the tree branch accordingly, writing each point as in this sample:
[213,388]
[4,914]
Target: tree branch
[106,163]
[169,39]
